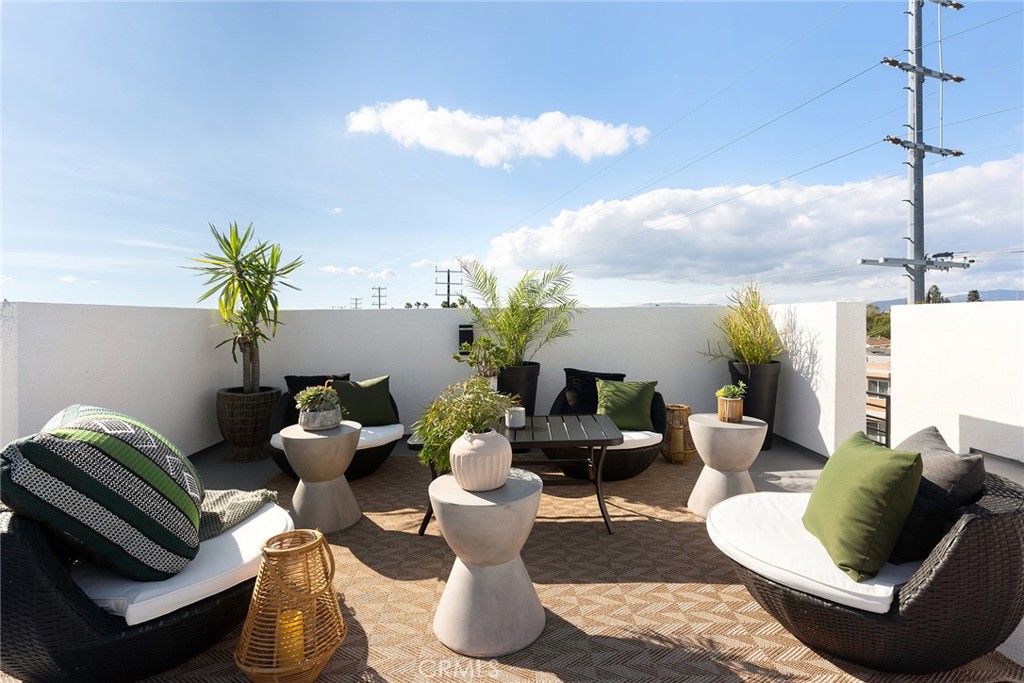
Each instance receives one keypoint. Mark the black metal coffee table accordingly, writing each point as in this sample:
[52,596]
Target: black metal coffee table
[593,433]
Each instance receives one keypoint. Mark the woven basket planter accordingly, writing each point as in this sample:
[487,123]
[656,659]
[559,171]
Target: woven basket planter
[294,623]
[244,421]
[678,448]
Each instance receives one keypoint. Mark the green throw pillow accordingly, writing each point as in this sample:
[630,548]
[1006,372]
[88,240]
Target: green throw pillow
[367,402]
[109,487]
[860,503]
[628,404]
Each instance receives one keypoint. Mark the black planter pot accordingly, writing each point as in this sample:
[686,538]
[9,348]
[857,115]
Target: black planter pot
[762,390]
[244,421]
[521,380]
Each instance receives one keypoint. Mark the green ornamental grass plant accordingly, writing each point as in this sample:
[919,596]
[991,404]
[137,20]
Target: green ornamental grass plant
[749,330]
[472,405]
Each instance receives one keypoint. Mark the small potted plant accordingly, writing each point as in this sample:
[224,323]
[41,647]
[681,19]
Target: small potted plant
[457,433]
[485,357]
[319,407]
[730,402]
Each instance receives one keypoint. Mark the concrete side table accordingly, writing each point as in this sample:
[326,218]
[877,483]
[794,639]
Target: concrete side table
[728,449]
[323,499]
[489,606]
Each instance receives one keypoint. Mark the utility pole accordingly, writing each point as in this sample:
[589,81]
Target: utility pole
[447,294]
[917,261]
[356,301]
[379,297]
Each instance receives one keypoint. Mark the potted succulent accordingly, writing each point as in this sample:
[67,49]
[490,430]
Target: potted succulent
[457,433]
[536,311]
[245,278]
[319,407]
[753,345]
[730,402]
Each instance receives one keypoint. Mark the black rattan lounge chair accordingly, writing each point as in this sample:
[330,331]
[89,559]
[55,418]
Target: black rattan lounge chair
[620,463]
[53,632]
[365,462]
[963,602]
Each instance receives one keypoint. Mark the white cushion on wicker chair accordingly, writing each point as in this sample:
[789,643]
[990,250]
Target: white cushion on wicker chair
[368,437]
[764,532]
[636,439]
[222,562]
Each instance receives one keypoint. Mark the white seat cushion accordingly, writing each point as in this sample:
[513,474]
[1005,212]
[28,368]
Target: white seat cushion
[222,562]
[368,437]
[637,440]
[764,533]
[379,435]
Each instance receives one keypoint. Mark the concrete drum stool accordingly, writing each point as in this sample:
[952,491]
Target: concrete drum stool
[489,606]
[728,449]
[323,499]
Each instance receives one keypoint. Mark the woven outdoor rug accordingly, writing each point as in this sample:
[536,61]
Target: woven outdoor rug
[656,601]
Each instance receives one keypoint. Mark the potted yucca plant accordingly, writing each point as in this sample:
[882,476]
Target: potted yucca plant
[245,278]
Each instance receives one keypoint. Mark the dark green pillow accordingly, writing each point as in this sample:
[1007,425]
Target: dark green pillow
[860,503]
[109,487]
[628,404]
[367,402]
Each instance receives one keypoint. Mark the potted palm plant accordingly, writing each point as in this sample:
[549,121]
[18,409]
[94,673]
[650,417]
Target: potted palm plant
[753,345]
[457,433]
[245,278]
[536,311]
[484,356]
[319,407]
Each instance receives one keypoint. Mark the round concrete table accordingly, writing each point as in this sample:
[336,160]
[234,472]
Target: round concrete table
[323,499]
[489,606]
[728,449]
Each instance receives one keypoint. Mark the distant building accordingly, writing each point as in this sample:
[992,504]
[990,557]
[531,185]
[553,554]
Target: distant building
[878,387]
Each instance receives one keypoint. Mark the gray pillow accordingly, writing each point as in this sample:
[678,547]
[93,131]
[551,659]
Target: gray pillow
[948,481]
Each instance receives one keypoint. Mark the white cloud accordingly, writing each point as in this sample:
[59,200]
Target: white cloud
[422,263]
[337,270]
[386,274]
[4,279]
[802,238]
[494,140]
[68,278]
[336,210]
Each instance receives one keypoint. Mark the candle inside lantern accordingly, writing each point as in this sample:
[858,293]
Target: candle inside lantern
[291,639]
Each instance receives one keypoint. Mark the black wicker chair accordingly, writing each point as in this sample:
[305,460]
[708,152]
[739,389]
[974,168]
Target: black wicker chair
[365,462]
[963,602]
[620,463]
[53,632]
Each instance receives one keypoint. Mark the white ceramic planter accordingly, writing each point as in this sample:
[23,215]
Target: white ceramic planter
[321,419]
[480,462]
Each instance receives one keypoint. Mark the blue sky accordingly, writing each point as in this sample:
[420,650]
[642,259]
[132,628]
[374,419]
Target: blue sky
[665,152]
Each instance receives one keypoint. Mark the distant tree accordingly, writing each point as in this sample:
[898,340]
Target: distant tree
[426,304]
[973,295]
[408,305]
[877,322]
[934,296]
[449,304]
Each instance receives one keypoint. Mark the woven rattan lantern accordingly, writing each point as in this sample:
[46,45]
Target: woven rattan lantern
[294,623]
[678,446]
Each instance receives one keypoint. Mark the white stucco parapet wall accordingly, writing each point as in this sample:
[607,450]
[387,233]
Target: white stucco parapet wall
[160,364]
[960,367]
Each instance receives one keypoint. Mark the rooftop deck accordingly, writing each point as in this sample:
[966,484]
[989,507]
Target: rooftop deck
[654,602]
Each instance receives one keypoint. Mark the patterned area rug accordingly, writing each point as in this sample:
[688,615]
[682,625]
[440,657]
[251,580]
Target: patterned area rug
[656,601]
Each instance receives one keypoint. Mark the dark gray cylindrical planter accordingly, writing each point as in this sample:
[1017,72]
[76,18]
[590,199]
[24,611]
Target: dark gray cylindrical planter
[521,380]
[762,390]
[244,421]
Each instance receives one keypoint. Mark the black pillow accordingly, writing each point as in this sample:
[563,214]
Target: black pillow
[297,383]
[581,389]
[948,481]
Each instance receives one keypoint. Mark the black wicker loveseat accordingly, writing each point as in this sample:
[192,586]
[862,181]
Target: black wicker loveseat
[621,462]
[963,601]
[53,632]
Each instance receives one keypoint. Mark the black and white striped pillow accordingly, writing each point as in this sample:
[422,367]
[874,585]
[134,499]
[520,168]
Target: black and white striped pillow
[110,487]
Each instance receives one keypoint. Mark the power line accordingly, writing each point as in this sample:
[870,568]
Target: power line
[379,298]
